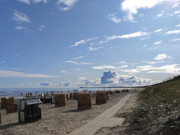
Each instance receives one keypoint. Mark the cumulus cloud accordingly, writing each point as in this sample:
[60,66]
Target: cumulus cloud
[108,77]
[82,42]
[114,79]
[158,42]
[114,18]
[132,6]
[66,4]
[8,73]
[161,57]
[20,17]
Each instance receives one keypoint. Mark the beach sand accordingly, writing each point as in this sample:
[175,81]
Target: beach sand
[56,121]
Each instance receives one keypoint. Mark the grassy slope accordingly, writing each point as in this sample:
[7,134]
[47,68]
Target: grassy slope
[158,111]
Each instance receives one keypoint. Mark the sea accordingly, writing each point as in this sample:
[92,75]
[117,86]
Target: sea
[18,91]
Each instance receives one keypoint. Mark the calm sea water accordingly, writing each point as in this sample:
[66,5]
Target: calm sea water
[17,91]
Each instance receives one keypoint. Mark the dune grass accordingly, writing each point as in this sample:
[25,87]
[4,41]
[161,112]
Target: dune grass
[158,110]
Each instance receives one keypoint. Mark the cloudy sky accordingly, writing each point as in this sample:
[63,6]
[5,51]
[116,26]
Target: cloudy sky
[57,43]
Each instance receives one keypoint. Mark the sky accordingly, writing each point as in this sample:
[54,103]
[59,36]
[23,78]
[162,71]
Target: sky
[73,43]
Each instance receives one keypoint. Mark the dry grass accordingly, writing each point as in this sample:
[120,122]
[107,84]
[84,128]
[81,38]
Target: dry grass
[158,111]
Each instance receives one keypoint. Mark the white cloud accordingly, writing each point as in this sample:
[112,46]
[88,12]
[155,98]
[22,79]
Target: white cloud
[141,15]
[94,49]
[158,42]
[177,12]
[33,1]
[129,18]
[132,6]
[173,32]
[114,79]
[177,25]
[65,72]
[66,4]
[158,30]
[113,18]
[178,39]
[25,1]
[20,17]
[76,58]
[83,42]
[8,73]
[78,63]
[161,57]
[170,69]
[86,82]
[153,62]
[123,66]
[126,36]
[42,27]
[104,67]
[160,14]
[177,4]
[70,61]
[131,35]
[145,45]
[20,28]
[37,1]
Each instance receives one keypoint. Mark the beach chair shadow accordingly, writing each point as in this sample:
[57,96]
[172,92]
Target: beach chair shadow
[76,110]
[16,124]
[10,125]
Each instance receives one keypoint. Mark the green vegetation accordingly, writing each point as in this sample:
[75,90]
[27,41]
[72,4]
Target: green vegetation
[158,110]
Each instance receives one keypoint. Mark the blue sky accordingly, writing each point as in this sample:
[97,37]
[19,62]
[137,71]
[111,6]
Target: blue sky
[72,43]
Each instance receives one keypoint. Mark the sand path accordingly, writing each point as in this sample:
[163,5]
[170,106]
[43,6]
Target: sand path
[106,119]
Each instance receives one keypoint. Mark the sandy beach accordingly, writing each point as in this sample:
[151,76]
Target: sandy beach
[61,120]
